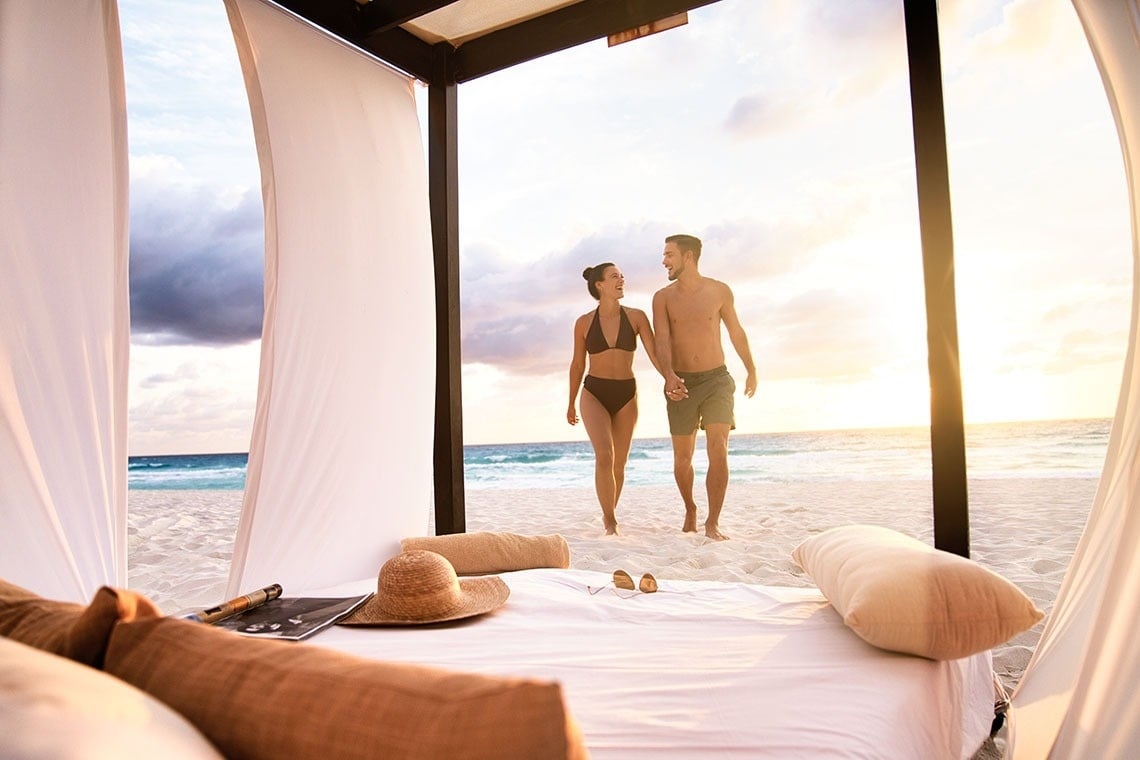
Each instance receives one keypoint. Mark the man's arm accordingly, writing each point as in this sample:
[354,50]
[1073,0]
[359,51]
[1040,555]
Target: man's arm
[663,342]
[739,340]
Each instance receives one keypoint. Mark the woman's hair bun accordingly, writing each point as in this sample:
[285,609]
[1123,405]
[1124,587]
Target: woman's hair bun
[586,273]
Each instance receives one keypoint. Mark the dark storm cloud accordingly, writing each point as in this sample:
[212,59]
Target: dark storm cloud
[196,267]
[197,276]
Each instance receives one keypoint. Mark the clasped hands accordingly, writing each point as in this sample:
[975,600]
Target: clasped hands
[675,389]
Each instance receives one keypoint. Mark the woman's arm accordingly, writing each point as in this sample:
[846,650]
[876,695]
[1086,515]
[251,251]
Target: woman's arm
[577,368]
[644,331]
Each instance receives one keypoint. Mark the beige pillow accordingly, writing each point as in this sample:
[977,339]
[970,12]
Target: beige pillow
[900,594]
[64,628]
[257,698]
[51,707]
[487,552]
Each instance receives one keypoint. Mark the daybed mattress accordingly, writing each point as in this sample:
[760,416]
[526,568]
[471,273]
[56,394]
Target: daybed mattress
[703,670]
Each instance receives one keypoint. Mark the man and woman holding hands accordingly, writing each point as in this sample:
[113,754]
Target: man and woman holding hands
[684,345]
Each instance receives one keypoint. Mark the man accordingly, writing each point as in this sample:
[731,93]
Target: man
[687,315]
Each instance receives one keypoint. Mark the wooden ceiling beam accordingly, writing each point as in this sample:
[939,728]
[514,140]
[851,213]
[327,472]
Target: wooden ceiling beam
[567,27]
[374,31]
[402,49]
[341,17]
[382,15]
[375,28]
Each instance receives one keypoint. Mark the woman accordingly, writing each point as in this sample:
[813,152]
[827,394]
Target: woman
[608,335]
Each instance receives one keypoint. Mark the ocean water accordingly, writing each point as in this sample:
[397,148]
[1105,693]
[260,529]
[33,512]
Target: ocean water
[196,472]
[1052,449]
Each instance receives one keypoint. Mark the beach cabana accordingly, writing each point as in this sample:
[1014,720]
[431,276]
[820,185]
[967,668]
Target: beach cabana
[448,43]
[63,303]
[443,44]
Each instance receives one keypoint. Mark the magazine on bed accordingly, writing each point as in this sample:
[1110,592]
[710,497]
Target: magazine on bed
[291,619]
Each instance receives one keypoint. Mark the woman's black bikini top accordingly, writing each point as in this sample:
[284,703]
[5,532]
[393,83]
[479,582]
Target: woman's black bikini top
[596,341]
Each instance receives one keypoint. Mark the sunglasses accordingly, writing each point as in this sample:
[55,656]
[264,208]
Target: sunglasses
[623,580]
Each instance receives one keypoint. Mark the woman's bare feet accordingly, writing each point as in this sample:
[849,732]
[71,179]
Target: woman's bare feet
[713,532]
[611,527]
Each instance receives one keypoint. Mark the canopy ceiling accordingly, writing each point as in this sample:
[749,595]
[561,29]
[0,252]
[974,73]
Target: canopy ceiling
[485,35]
[467,19]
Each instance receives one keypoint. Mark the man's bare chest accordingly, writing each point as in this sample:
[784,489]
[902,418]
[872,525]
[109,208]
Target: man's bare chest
[694,311]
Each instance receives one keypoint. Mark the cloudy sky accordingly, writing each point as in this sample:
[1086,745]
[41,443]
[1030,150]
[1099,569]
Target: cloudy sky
[777,130]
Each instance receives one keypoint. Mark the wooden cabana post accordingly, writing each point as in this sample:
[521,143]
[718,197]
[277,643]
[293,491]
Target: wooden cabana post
[947,428]
[443,184]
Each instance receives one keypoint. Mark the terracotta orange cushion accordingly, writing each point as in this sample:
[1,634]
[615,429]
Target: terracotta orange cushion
[257,698]
[65,628]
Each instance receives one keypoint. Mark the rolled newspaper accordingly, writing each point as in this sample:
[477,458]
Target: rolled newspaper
[234,606]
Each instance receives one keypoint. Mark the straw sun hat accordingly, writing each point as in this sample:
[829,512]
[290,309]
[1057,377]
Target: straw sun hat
[420,587]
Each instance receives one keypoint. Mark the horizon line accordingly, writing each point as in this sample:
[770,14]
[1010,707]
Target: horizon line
[665,438]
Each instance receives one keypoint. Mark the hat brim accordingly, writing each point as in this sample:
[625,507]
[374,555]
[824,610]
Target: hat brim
[480,596]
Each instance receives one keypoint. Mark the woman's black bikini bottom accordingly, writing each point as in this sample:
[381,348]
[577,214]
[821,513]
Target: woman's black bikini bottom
[614,394]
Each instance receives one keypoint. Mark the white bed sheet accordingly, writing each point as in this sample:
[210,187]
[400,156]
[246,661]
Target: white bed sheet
[703,670]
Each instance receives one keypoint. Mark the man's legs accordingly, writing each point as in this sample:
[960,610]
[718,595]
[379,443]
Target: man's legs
[716,480]
[683,446]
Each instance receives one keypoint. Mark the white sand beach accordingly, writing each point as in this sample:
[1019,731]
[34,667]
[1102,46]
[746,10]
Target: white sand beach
[180,542]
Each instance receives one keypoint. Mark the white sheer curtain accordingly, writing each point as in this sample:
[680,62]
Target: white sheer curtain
[1078,696]
[341,456]
[64,308]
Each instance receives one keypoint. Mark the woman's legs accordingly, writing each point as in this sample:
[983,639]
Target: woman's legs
[599,426]
[622,429]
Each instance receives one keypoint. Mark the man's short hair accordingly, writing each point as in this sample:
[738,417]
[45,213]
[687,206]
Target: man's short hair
[687,243]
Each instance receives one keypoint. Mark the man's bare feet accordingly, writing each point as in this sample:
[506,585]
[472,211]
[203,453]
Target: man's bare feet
[690,525]
[713,532]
